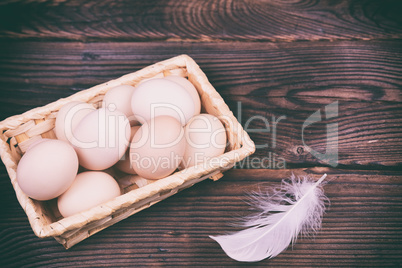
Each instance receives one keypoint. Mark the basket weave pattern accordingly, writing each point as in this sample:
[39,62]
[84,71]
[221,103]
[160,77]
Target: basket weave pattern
[18,132]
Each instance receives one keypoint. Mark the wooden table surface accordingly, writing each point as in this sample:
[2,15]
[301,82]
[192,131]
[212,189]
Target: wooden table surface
[275,63]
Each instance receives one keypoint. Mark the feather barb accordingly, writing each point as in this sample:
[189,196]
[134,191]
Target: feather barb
[297,207]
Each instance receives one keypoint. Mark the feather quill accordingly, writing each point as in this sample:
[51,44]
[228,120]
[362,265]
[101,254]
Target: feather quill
[296,208]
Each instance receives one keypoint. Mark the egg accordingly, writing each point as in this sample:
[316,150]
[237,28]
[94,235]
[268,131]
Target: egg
[190,89]
[69,117]
[90,188]
[157,147]
[205,138]
[101,138]
[37,141]
[124,163]
[160,96]
[47,169]
[120,97]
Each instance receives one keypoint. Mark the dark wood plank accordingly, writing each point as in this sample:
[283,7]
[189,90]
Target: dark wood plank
[290,81]
[205,21]
[362,226]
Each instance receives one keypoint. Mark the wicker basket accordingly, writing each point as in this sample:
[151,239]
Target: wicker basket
[18,132]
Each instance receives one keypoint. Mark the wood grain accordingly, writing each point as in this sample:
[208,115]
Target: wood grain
[269,60]
[362,226]
[282,84]
[204,21]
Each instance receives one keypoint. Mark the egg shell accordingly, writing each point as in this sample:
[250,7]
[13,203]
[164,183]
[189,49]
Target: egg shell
[90,188]
[120,97]
[160,96]
[69,116]
[205,138]
[47,169]
[190,89]
[157,147]
[124,163]
[36,142]
[101,138]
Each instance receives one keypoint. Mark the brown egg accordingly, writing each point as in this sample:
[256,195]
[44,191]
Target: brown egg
[124,163]
[90,188]
[157,97]
[120,97]
[47,169]
[205,138]
[187,85]
[157,147]
[68,118]
[101,138]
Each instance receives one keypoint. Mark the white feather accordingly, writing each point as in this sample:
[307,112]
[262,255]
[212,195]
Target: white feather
[297,207]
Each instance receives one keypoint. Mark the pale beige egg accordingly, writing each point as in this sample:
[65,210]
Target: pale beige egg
[37,141]
[47,169]
[69,116]
[124,163]
[157,147]
[90,188]
[120,98]
[190,89]
[205,138]
[160,96]
[101,138]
